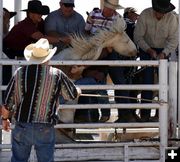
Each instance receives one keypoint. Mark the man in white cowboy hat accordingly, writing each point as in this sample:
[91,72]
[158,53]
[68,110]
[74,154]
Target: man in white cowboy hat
[33,96]
[156,33]
[103,19]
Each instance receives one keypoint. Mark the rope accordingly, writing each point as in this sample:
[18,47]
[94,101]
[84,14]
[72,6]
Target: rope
[124,97]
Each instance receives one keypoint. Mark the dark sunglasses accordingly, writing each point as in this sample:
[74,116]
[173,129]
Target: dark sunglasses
[68,4]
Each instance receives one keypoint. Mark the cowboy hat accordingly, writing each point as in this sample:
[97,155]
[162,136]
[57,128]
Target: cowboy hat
[162,6]
[10,13]
[130,9]
[39,52]
[36,6]
[112,4]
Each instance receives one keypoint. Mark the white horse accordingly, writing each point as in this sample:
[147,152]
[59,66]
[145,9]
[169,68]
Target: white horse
[90,48]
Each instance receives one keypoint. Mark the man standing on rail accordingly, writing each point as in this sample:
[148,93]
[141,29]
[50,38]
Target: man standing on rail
[103,19]
[156,33]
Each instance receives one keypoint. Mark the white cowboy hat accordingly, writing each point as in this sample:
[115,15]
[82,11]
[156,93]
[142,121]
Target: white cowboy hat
[113,4]
[39,52]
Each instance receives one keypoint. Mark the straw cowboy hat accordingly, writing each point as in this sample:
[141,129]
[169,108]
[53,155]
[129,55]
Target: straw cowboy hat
[162,6]
[36,6]
[112,4]
[39,52]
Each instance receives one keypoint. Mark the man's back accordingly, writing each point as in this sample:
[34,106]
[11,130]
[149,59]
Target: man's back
[37,89]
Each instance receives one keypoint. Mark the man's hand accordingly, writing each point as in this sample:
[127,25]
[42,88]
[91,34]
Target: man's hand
[161,55]
[66,40]
[152,53]
[77,69]
[78,91]
[6,125]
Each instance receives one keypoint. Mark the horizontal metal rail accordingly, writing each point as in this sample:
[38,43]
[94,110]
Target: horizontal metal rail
[105,125]
[152,87]
[85,62]
[111,106]
[99,144]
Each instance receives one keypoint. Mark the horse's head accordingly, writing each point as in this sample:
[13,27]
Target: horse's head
[117,38]
[122,44]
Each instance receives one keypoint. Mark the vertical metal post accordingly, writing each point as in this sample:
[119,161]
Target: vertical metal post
[1,36]
[18,7]
[126,153]
[163,112]
[172,99]
[179,82]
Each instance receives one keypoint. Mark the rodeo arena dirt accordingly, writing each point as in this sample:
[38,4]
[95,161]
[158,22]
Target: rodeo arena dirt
[104,138]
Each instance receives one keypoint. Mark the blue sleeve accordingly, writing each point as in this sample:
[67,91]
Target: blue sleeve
[50,23]
[81,25]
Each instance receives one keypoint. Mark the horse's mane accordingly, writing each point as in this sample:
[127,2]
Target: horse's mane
[91,47]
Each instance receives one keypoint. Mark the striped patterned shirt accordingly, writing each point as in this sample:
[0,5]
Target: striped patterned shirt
[34,90]
[96,21]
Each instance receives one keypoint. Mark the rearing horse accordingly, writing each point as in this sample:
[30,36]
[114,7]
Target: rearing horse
[90,48]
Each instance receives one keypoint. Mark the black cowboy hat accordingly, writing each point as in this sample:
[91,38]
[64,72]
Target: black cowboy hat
[11,13]
[36,6]
[162,6]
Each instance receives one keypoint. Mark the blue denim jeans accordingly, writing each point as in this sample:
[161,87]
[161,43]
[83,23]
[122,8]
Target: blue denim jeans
[25,135]
[90,115]
[95,100]
[148,78]
[118,77]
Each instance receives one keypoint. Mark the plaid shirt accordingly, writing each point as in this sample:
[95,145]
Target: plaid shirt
[96,21]
[34,90]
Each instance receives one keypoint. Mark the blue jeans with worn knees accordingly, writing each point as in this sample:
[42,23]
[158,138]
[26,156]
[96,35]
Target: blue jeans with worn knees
[25,135]
[118,77]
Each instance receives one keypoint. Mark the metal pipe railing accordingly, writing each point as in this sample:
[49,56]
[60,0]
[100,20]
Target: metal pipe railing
[162,87]
[163,111]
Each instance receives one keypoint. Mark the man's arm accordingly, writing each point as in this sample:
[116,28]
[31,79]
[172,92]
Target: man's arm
[172,40]
[5,118]
[51,39]
[139,32]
